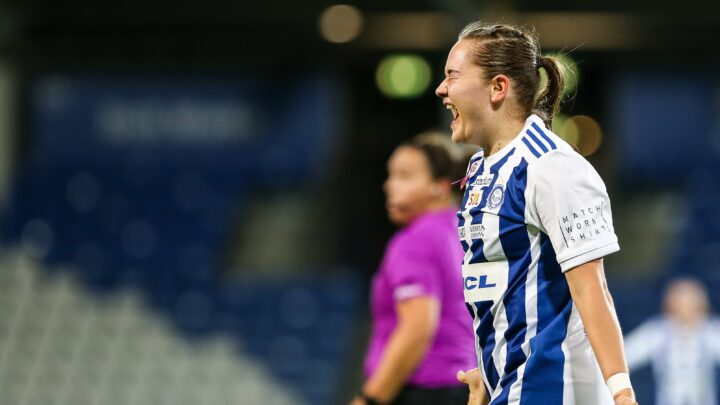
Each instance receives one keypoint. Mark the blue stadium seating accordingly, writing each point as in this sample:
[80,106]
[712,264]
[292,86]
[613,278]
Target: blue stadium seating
[156,218]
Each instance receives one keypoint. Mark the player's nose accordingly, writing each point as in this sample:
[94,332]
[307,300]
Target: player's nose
[441,90]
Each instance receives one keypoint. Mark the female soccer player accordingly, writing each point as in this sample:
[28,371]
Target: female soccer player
[683,346]
[420,331]
[535,224]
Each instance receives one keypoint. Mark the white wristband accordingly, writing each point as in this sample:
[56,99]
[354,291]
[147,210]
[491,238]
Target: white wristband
[618,382]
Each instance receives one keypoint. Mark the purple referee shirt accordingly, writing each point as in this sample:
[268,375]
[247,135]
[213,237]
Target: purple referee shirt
[424,259]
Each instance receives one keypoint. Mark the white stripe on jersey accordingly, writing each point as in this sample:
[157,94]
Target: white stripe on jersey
[476,318]
[530,310]
[569,393]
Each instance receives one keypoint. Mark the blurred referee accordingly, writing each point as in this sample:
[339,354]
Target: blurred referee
[421,335]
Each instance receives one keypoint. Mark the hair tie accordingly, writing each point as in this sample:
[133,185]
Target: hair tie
[538,61]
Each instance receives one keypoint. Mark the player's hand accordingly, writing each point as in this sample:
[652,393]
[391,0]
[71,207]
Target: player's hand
[357,401]
[474,381]
[625,397]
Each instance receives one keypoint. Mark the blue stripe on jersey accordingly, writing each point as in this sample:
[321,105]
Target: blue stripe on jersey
[486,336]
[486,332]
[543,380]
[537,141]
[516,245]
[506,383]
[470,310]
[477,213]
[544,135]
[532,150]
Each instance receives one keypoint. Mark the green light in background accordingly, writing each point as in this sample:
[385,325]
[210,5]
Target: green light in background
[572,75]
[403,76]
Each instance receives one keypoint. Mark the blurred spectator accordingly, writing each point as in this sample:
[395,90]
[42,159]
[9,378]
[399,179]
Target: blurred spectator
[682,345]
[421,331]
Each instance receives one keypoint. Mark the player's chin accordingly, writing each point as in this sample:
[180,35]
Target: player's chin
[397,217]
[457,136]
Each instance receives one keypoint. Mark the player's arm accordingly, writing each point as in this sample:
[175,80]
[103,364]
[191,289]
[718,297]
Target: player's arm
[715,339]
[417,323]
[592,298]
[568,201]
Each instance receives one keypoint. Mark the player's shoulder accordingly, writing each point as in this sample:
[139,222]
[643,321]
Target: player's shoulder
[432,226]
[714,324]
[415,237]
[539,141]
[561,162]
[662,322]
[549,155]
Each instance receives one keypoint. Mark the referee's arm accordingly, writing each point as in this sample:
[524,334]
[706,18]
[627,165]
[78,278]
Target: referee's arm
[418,320]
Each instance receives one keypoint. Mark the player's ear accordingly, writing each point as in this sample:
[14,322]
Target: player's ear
[499,87]
[436,189]
[440,187]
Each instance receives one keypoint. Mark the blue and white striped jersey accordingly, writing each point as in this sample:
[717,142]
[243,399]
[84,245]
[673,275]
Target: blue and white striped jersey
[532,211]
[684,359]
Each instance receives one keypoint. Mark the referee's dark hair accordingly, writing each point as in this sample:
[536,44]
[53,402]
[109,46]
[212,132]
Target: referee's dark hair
[515,52]
[446,159]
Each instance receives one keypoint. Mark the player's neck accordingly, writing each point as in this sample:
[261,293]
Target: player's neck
[440,204]
[503,133]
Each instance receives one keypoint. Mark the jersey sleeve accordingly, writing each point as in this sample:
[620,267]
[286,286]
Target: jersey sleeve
[567,200]
[412,271]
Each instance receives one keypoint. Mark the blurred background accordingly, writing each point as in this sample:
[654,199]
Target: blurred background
[190,192]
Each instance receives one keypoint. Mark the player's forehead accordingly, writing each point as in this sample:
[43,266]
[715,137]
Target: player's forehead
[459,57]
[687,287]
[407,157]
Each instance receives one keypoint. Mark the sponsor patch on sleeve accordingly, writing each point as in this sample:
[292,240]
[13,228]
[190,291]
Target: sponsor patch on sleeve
[584,224]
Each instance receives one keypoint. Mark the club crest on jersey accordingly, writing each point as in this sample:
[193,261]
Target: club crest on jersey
[497,195]
[473,168]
